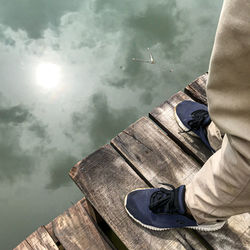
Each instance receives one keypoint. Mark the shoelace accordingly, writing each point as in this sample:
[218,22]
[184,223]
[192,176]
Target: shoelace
[164,200]
[199,116]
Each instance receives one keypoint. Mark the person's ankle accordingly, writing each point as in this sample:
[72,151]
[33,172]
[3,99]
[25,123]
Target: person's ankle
[188,212]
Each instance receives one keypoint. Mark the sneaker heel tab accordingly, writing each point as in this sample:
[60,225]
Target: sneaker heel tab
[181,199]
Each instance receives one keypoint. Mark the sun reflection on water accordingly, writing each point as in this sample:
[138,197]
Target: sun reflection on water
[48,75]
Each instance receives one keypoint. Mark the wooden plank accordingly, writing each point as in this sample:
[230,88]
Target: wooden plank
[40,239]
[24,245]
[164,117]
[158,159]
[75,230]
[154,154]
[197,89]
[106,178]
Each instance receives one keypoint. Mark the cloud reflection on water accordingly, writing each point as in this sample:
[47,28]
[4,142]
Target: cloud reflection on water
[101,121]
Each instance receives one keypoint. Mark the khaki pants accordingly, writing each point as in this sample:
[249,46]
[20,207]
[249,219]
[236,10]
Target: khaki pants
[222,187]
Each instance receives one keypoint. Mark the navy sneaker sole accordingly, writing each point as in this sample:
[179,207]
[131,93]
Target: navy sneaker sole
[203,227]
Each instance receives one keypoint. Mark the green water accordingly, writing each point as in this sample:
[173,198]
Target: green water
[68,85]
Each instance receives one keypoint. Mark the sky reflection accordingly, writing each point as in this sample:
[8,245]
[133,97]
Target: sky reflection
[68,85]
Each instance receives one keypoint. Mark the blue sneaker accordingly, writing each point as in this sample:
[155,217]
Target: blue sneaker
[193,118]
[161,209]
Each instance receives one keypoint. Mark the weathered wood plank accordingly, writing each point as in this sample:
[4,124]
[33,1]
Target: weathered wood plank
[158,159]
[41,239]
[197,89]
[106,178]
[154,154]
[24,245]
[75,230]
[164,116]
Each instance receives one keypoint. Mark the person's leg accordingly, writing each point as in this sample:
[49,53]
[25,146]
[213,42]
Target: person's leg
[222,187]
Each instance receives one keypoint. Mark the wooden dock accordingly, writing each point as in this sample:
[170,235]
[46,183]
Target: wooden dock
[74,229]
[150,151]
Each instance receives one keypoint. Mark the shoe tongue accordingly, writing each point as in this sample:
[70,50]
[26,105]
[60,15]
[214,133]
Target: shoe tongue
[181,199]
[162,202]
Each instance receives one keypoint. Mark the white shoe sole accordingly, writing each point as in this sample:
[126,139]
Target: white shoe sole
[204,227]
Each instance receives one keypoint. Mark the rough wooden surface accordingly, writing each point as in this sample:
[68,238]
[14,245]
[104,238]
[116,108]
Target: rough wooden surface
[163,116]
[106,178]
[41,239]
[234,235]
[91,211]
[75,230]
[154,154]
[159,159]
[24,245]
[197,89]
[97,220]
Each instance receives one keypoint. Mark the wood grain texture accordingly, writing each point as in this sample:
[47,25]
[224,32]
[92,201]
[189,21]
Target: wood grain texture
[24,245]
[197,89]
[91,212]
[97,220]
[233,236]
[163,116]
[106,178]
[154,154]
[158,159]
[41,239]
[75,230]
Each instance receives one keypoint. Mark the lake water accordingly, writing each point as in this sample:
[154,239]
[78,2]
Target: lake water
[69,84]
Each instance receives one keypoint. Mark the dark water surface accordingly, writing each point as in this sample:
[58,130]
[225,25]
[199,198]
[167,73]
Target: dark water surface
[68,85]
